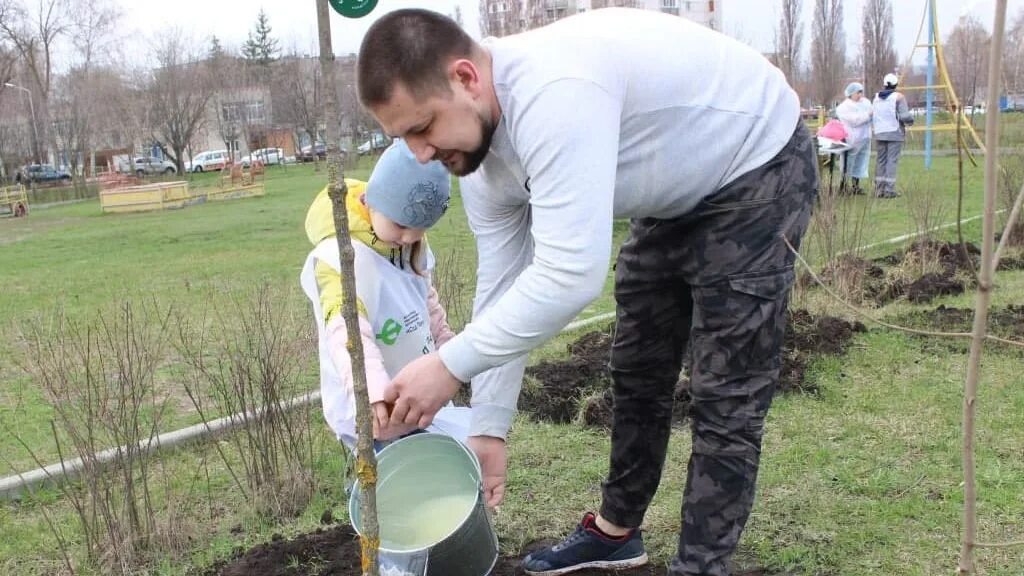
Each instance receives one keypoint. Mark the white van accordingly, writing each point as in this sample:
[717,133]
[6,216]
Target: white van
[209,160]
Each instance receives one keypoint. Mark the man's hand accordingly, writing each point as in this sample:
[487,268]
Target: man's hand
[420,390]
[382,428]
[491,453]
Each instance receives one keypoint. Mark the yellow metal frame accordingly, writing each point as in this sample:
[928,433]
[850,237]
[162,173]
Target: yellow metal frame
[945,85]
[12,197]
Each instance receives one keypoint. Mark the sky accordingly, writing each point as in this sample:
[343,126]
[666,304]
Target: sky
[294,21]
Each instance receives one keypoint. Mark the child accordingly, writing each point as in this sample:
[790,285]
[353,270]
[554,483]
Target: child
[400,316]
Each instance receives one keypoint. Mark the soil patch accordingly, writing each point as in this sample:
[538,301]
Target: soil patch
[556,388]
[807,337]
[861,280]
[932,285]
[1004,322]
[580,385]
[335,552]
[956,265]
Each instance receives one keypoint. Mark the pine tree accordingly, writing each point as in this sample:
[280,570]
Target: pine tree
[216,50]
[260,48]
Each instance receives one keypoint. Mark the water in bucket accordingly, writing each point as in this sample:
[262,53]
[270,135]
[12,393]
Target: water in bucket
[409,523]
[430,509]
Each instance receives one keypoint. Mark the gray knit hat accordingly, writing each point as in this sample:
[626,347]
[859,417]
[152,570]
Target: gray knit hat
[412,194]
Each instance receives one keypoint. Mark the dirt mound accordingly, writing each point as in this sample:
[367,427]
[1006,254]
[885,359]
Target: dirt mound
[560,390]
[335,552]
[807,337]
[557,387]
[860,279]
[932,285]
[1004,322]
[956,264]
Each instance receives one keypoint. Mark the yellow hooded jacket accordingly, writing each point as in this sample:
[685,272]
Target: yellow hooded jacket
[320,225]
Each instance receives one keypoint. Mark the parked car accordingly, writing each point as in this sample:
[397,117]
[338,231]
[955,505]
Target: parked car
[266,155]
[306,153]
[146,165]
[376,143]
[41,173]
[209,160]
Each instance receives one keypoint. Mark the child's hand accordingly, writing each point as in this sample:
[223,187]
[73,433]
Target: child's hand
[382,430]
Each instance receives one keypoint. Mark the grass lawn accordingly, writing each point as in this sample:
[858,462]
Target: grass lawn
[861,479]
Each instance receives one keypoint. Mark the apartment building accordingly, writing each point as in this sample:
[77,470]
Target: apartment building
[504,17]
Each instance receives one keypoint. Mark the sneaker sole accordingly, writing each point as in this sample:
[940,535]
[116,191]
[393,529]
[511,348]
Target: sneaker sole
[600,565]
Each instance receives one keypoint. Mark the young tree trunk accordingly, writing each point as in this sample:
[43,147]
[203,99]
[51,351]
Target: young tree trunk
[984,296]
[366,460]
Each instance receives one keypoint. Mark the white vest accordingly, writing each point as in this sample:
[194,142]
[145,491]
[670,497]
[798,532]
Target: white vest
[396,307]
[884,118]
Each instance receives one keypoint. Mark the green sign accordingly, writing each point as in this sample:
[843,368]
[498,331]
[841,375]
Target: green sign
[353,8]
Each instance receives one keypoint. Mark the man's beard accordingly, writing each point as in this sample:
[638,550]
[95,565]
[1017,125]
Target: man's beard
[472,160]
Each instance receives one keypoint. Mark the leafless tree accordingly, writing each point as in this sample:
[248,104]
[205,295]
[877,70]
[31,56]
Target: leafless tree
[92,30]
[298,96]
[72,121]
[966,52]
[1013,60]
[828,50]
[179,92]
[877,51]
[34,36]
[789,39]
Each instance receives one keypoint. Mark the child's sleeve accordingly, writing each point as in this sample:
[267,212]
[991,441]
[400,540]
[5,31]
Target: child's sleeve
[329,284]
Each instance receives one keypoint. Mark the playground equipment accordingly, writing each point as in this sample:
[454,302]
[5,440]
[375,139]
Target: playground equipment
[122,193]
[14,200]
[145,197]
[238,181]
[937,64]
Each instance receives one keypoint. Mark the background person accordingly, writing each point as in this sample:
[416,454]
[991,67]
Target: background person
[889,119]
[855,114]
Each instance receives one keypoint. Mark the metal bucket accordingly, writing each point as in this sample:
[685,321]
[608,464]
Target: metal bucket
[424,477]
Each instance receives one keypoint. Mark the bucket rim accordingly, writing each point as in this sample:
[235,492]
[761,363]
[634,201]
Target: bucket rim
[423,436]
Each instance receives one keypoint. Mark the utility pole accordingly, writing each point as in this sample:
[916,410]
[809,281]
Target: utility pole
[32,110]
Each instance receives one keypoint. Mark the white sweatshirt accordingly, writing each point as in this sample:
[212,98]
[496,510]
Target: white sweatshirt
[613,113]
[856,118]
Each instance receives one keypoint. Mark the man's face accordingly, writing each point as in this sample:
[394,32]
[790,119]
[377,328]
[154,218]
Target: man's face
[453,128]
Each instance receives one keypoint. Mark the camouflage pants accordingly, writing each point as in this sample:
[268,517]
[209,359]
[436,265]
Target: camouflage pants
[717,278]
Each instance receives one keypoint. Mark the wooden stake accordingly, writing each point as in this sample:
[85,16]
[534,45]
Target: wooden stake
[366,460]
[984,295]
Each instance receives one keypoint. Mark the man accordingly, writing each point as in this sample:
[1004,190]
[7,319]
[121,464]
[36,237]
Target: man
[556,132]
[889,118]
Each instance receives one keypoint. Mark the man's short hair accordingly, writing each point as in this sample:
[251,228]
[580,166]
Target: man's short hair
[410,46]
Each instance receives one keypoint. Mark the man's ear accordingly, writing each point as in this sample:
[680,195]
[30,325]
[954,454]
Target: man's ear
[464,73]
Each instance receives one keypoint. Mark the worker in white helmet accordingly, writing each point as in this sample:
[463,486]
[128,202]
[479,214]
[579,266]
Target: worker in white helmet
[890,117]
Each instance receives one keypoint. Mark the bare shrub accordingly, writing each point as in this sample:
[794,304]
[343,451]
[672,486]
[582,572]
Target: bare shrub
[454,288]
[1010,181]
[928,209]
[837,232]
[99,377]
[245,361]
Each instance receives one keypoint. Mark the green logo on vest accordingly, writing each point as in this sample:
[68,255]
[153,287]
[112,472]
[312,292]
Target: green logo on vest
[353,8]
[390,332]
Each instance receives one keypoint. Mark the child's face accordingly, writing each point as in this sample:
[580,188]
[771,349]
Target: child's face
[391,232]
